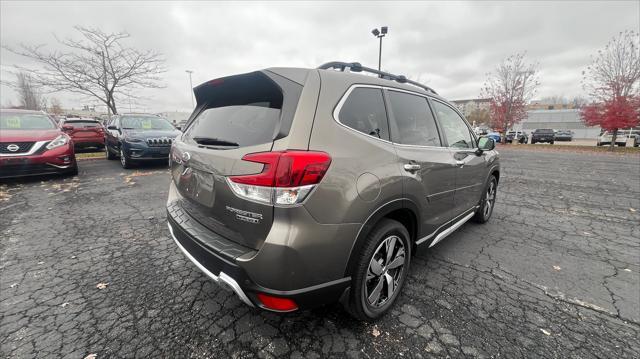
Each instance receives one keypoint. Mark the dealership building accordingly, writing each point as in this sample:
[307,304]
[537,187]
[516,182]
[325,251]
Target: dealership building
[564,119]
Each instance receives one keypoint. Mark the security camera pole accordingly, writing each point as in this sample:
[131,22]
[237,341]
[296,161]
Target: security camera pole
[380,34]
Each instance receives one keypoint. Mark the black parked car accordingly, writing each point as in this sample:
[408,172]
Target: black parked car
[542,135]
[519,136]
[138,137]
[564,135]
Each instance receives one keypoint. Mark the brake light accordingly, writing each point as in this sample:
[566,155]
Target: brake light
[286,178]
[277,303]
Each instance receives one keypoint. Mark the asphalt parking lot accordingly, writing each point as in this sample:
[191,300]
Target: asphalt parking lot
[87,267]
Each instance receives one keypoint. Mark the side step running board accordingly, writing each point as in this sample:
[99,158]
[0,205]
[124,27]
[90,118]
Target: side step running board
[451,229]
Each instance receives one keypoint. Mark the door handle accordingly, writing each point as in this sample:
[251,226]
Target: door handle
[410,167]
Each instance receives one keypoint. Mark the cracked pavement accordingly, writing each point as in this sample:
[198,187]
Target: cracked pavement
[555,273]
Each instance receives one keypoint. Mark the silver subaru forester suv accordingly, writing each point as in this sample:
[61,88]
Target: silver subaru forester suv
[300,187]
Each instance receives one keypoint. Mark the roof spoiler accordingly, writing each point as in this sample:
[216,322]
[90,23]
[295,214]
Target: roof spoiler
[357,67]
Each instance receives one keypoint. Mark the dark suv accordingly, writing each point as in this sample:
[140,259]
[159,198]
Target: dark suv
[300,187]
[138,137]
[541,135]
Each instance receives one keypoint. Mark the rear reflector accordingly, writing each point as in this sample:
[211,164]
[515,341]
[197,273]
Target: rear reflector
[277,303]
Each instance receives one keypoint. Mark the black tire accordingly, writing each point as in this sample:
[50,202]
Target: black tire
[74,170]
[551,143]
[622,145]
[359,304]
[533,142]
[108,154]
[125,161]
[482,215]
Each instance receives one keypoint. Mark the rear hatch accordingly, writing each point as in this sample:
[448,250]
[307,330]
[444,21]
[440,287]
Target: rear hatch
[234,116]
[85,128]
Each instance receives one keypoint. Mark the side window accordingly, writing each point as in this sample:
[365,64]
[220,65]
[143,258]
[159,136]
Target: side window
[455,129]
[364,111]
[415,122]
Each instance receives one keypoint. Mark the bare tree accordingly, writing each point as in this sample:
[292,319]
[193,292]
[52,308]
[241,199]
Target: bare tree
[56,107]
[99,66]
[510,87]
[30,98]
[615,70]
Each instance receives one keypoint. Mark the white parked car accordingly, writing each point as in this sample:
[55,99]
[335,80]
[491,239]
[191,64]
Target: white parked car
[605,139]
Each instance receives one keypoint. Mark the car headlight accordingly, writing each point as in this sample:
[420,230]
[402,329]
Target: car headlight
[133,140]
[58,141]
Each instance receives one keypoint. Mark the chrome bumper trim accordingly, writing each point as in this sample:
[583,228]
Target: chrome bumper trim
[222,279]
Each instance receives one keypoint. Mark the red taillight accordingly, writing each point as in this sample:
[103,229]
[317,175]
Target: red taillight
[286,168]
[277,303]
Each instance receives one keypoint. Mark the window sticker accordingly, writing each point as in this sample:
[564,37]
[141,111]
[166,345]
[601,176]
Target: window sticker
[146,124]
[13,122]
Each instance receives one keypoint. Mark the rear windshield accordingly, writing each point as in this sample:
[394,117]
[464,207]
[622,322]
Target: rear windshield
[82,123]
[24,121]
[238,111]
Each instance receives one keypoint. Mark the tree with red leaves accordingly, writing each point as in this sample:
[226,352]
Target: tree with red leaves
[613,82]
[510,87]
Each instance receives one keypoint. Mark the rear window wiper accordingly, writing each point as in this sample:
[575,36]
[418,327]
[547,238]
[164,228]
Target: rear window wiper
[210,141]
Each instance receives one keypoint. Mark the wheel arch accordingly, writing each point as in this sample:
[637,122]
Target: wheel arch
[402,210]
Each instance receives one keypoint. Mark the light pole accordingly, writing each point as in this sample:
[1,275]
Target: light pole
[190,86]
[380,34]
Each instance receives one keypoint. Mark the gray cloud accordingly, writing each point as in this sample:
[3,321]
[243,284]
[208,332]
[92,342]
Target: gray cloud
[451,46]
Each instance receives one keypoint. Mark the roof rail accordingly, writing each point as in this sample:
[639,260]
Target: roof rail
[357,67]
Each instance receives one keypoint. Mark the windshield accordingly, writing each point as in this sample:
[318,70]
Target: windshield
[145,123]
[544,131]
[26,121]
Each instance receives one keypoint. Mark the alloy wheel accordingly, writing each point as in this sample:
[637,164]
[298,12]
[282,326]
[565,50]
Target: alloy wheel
[123,160]
[489,200]
[385,270]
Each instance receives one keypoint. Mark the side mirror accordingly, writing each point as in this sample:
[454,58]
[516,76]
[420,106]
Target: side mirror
[67,128]
[112,127]
[486,144]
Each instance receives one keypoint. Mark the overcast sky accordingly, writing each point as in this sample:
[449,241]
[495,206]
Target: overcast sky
[448,45]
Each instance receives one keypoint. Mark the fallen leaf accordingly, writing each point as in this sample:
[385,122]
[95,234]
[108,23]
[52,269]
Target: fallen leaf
[632,209]
[546,332]
[16,284]
[586,233]
[91,356]
[375,332]
[64,304]
[73,257]
[627,270]
[556,267]
[40,262]
[102,285]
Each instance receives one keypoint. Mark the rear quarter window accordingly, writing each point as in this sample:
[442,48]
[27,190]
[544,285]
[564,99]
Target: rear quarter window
[364,111]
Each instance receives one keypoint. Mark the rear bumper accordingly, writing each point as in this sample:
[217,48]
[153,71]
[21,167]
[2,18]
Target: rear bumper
[88,141]
[308,268]
[228,274]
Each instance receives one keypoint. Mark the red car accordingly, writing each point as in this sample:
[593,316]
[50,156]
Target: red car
[85,132]
[31,143]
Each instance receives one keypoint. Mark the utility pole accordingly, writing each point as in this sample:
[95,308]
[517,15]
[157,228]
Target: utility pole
[190,87]
[380,34]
